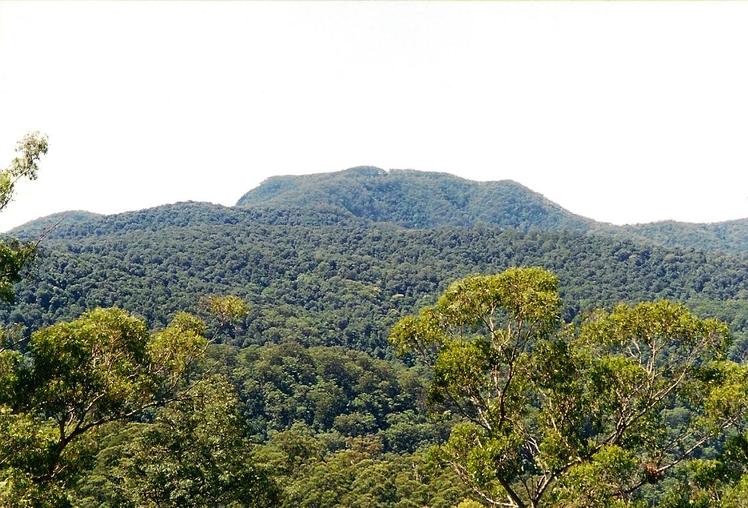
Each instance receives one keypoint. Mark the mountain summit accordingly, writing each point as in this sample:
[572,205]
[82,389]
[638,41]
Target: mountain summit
[416,199]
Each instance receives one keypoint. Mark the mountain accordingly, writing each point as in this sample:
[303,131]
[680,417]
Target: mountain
[187,213]
[327,269]
[416,199]
[50,223]
[335,259]
[728,236]
[408,198]
[419,199]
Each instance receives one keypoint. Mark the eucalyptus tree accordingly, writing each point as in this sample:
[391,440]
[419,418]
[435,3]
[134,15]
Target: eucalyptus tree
[76,378]
[14,254]
[559,415]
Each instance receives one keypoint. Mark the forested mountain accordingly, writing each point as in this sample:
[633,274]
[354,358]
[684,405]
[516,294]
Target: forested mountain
[328,265]
[416,199]
[729,237]
[426,199]
[49,224]
[325,279]
[336,258]
[411,199]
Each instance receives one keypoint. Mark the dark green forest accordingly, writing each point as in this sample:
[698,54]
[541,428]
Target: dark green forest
[370,338]
[321,279]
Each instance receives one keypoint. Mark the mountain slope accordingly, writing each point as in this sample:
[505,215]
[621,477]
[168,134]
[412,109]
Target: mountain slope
[175,215]
[416,199]
[728,236]
[419,199]
[50,223]
[344,281]
[412,199]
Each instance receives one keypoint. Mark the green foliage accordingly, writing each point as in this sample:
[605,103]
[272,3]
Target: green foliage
[419,199]
[345,283]
[357,474]
[599,481]
[716,481]
[415,199]
[331,388]
[176,348]
[729,237]
[579,417]
[195,453]
[637,406]
[227,310]
[78,377]
[14,255]
[24,165]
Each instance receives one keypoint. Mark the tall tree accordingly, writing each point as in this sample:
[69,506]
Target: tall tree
[76,378]
[552,414]
[14,254]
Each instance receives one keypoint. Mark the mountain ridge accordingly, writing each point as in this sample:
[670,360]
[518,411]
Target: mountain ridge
[413,198]
[407,198]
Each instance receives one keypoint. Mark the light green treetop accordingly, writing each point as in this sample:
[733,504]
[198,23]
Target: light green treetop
[13,254]
[554,415]
[24,165]
[79,376]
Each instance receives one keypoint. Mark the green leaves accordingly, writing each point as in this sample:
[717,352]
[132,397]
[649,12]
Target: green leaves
[81,375]
[24,165]
[725,394]
[651,326]
[600,482]
[173,350]
[423,333]
[528,296]
[581,417]
[196,453]
[14,254]
[513,309]
[98,360]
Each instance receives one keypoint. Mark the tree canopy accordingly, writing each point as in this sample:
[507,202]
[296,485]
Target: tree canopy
[14,255]
[195,453]
[75,378]
[566,415]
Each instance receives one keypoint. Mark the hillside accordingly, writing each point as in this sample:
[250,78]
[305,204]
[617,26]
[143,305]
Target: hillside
[50,224]
[419,199]
[728,236]
[322,279]
[416,199]
[336,258]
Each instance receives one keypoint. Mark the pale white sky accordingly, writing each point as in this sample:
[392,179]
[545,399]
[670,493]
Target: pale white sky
[625,112]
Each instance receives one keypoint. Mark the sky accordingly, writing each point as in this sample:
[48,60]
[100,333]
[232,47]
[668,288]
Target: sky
[622,112]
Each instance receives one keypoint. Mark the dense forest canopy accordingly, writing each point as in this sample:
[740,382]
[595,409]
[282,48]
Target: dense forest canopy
[325,280]
[200,355]
[426,199]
